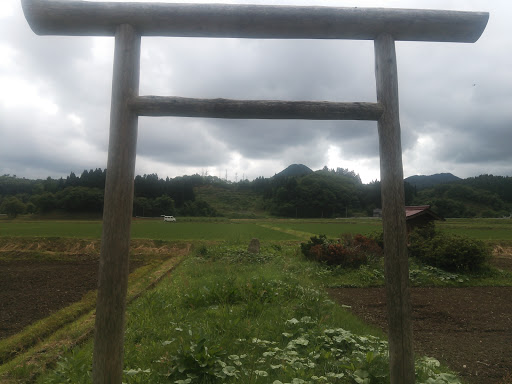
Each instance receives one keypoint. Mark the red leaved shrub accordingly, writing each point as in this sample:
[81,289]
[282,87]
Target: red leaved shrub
[347,252]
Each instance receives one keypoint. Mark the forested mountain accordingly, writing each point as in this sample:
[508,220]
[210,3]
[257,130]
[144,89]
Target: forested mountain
[319,194]
[297,191]
[498,185]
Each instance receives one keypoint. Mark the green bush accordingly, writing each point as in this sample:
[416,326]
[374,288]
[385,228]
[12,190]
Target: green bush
[453,253]
[313,241]
[348,252]
[378,237]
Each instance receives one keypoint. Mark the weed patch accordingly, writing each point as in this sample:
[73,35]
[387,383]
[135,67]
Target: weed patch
[236,255]
[350,251]
[221,318]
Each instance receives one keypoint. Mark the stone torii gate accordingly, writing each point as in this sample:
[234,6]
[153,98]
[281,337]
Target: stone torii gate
[129,21]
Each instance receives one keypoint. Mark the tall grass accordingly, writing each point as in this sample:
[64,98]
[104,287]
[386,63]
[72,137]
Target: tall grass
[227,316]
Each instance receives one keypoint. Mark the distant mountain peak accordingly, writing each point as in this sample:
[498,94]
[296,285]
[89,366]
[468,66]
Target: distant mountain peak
[294,170]
[423,181]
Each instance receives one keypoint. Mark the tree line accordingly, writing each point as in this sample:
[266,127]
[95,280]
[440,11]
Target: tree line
[325,193]
[84,194]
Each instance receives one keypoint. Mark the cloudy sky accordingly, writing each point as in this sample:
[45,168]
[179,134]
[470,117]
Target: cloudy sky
[455,100]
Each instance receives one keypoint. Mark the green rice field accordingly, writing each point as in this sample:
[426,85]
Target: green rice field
[490,230]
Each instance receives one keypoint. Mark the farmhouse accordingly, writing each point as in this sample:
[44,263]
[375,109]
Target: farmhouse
[415,216]
[419,216]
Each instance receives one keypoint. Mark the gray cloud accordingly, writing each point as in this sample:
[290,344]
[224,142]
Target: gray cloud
[180,141]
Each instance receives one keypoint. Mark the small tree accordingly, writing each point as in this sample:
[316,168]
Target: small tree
[45,202]
[12,206]
[164,205]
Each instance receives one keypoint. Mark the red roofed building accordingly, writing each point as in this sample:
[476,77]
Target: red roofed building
[419,216]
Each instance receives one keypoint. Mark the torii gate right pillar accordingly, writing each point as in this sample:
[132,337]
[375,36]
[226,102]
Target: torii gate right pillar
[396,263]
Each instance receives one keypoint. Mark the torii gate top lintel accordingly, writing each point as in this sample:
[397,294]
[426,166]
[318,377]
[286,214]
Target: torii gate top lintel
[83,18]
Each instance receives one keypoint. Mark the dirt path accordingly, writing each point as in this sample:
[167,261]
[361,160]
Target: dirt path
[468,329]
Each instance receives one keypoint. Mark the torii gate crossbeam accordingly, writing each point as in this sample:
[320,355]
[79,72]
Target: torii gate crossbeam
[129,21]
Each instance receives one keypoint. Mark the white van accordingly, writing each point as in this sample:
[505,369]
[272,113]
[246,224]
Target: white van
[169,218]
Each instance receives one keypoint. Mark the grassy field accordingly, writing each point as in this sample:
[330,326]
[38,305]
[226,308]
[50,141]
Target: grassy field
[330,228]
[227,316]
[51,228]
[496,231]
[231,231]
[223,230]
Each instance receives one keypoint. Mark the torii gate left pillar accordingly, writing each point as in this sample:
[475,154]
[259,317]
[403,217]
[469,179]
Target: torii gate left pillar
[117,212]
